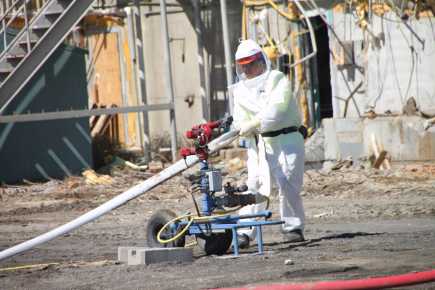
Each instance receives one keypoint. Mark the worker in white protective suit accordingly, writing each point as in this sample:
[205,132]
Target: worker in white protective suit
[267,115]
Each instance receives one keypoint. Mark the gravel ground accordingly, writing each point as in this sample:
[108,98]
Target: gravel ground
[360,223]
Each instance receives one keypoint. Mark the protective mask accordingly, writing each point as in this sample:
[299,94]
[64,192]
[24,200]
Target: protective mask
[258,82]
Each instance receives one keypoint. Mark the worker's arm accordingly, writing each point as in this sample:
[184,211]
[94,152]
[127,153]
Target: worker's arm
[240,115]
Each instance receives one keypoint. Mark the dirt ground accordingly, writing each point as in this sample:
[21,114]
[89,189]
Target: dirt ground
[360,223]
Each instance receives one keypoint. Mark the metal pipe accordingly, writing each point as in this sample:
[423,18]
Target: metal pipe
[119,200]
[168,75]
[201,62]
[227,50]
[45,116]
[141,80]
[124,97]
[312,35]
[132,47]
[26,21]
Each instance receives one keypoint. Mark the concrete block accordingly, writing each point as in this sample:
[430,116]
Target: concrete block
[124,252]
[146,256]
[343,139]
[314,147]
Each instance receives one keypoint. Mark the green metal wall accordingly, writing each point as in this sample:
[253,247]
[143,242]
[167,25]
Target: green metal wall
[55,148]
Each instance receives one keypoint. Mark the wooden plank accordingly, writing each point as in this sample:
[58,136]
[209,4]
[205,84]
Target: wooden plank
[380,159]
[107,86]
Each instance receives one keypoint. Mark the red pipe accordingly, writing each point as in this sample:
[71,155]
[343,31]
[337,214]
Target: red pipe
[368,283]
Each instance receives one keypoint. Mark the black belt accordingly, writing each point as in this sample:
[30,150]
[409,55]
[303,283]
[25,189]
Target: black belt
[287,130]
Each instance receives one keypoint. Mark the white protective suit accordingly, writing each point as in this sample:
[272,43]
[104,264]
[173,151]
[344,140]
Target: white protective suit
[269,98]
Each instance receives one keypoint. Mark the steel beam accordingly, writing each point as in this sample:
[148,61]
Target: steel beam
[81,113]
[168,75]
[227,49]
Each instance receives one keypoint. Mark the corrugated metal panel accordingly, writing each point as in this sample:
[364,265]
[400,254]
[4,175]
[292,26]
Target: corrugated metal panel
[48,149]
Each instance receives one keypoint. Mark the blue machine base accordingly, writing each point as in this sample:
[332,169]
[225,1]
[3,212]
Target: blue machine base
[219,224]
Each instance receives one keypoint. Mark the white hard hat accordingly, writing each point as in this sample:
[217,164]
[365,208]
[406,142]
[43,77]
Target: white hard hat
[247,48]
[249,52]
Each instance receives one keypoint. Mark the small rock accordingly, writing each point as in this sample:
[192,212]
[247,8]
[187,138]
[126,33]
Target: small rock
[288,262]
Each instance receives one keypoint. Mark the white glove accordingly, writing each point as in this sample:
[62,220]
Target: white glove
[249,127]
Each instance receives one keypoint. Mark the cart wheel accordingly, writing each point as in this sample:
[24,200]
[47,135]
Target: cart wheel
[216,244]
[154,225]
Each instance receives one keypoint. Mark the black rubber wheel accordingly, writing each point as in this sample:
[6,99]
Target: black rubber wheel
[154,225]
[216,244]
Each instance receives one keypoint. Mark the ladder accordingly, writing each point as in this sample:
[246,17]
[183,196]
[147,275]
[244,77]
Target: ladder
[40,33]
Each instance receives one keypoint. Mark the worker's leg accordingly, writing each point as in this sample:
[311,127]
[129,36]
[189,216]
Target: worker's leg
[258,182]
[288,171]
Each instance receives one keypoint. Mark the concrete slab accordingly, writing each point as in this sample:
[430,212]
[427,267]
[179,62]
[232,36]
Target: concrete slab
[404,138]
[146,256]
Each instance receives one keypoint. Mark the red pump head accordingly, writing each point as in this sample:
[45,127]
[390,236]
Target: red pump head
[202,134]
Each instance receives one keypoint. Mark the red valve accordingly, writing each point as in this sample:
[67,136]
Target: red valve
[203,134]
[185,151]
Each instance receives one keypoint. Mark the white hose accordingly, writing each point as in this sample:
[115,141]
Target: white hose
[119,200]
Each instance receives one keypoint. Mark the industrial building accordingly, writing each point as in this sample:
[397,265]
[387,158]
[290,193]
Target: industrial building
[77,74]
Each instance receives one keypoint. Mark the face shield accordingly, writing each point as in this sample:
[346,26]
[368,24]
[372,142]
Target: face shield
[251,67]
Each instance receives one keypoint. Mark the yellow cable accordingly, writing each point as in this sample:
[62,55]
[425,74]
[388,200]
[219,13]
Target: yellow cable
[177,236]
[193,218]
[27,267]
[290,17]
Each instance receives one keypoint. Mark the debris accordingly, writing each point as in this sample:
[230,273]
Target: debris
[236,164]
[410,108]
[327,166]
[232,153]
[385,164]
[343,164]
[119,161]
[92,177]
[101,124]
[155,166]
[380,159]
[71,184]
[429,123]
[289,262]
[323,214]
